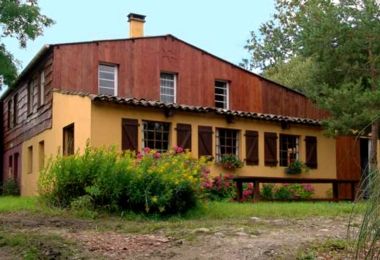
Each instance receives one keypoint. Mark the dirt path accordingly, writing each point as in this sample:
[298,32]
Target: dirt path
[253,238]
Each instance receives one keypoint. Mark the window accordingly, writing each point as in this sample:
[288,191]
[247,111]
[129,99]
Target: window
[68,140]
[311,152]
[221,94]
[10,167]
[30,159]
[108,80]
[15,165]
[168,87]
[227,142]
[30,97]
[15,109]
[42,89]
[156,135]
[41,154]
[9,114]
[289,149]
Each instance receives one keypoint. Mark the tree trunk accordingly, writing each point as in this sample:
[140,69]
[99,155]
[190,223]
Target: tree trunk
[373,147]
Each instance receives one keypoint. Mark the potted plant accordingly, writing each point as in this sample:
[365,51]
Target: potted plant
[296,166]
[230,161]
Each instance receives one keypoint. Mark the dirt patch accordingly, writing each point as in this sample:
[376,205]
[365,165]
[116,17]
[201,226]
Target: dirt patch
[253,238]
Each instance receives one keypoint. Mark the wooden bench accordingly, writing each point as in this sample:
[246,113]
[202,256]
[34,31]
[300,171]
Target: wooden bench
[257,180]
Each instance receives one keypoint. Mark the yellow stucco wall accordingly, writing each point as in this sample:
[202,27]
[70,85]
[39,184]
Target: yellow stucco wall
[66,110]
[101,123]
[106,129]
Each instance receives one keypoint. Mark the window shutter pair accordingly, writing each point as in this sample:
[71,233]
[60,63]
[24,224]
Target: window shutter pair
[130,135]
[311,152]
[252,147]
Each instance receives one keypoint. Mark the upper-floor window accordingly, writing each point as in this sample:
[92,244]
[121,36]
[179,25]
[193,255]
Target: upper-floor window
[167,87]
[156,135]
[227,142]
[9,114]
[221,94]
[30,97]
[108,79]
[289,149]
[15,109]
[42,88]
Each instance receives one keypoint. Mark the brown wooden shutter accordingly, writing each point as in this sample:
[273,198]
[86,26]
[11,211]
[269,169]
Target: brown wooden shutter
[204,141]
[184,136]
[252,147]
[311,152]
[129,129]
[270,149]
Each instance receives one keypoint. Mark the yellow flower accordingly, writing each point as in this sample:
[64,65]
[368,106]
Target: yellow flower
[176,182]
[154,199]
[147,208]
[161,209]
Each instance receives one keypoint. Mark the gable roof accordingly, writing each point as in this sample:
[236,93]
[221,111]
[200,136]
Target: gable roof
[100,98]
[44,50]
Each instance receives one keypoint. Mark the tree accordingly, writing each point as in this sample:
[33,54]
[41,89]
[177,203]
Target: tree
[24,22]
[337,44]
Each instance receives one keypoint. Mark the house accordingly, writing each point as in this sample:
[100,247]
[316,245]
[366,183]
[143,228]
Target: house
[158,92]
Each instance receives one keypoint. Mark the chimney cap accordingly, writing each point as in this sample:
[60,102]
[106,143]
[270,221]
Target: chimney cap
[136,17]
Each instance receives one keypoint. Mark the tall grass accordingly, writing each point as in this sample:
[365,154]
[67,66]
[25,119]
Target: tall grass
[368,239]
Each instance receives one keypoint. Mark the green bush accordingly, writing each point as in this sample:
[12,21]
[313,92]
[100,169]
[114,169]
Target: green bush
[287,191]
[10,188]
[106,179]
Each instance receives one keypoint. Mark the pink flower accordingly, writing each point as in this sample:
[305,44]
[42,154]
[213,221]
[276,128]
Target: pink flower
[226,183]
[146,149]
[139,156]
[178,149]
[157,155]
[250,186]
[207,170]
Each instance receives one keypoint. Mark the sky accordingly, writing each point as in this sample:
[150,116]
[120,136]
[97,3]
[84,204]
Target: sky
[219,27]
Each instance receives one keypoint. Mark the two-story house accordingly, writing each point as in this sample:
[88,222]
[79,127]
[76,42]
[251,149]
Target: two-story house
[156,92]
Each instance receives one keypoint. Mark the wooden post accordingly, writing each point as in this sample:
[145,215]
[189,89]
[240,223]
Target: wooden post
[256,191]
[239,190]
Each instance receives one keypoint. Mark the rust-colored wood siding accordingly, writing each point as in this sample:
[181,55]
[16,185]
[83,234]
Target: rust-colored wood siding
[283,101]
[348,162]
[29,124]
[1,144]
[141,60]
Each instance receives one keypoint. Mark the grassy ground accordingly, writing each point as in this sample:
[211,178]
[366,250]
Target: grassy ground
[216,216]
[211,210]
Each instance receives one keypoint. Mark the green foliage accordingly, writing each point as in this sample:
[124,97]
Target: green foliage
[329,51]
[10,188]
[24,22]
[296,166]
[106,179]
[230,161]
[287,191]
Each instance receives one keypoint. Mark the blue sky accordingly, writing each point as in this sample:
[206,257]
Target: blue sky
[219,27]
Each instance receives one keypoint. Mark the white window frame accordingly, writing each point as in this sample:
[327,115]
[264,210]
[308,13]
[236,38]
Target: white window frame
[115,72]
[218,152]
[174,87]
[226,95]
[42,88]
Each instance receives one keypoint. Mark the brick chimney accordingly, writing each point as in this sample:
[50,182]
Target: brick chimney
[136,25]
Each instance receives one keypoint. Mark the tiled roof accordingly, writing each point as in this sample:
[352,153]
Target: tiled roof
[196,109]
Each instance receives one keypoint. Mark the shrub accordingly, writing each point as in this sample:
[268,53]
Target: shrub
[104,178]
[10,188]
[287,191]
[219,187]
